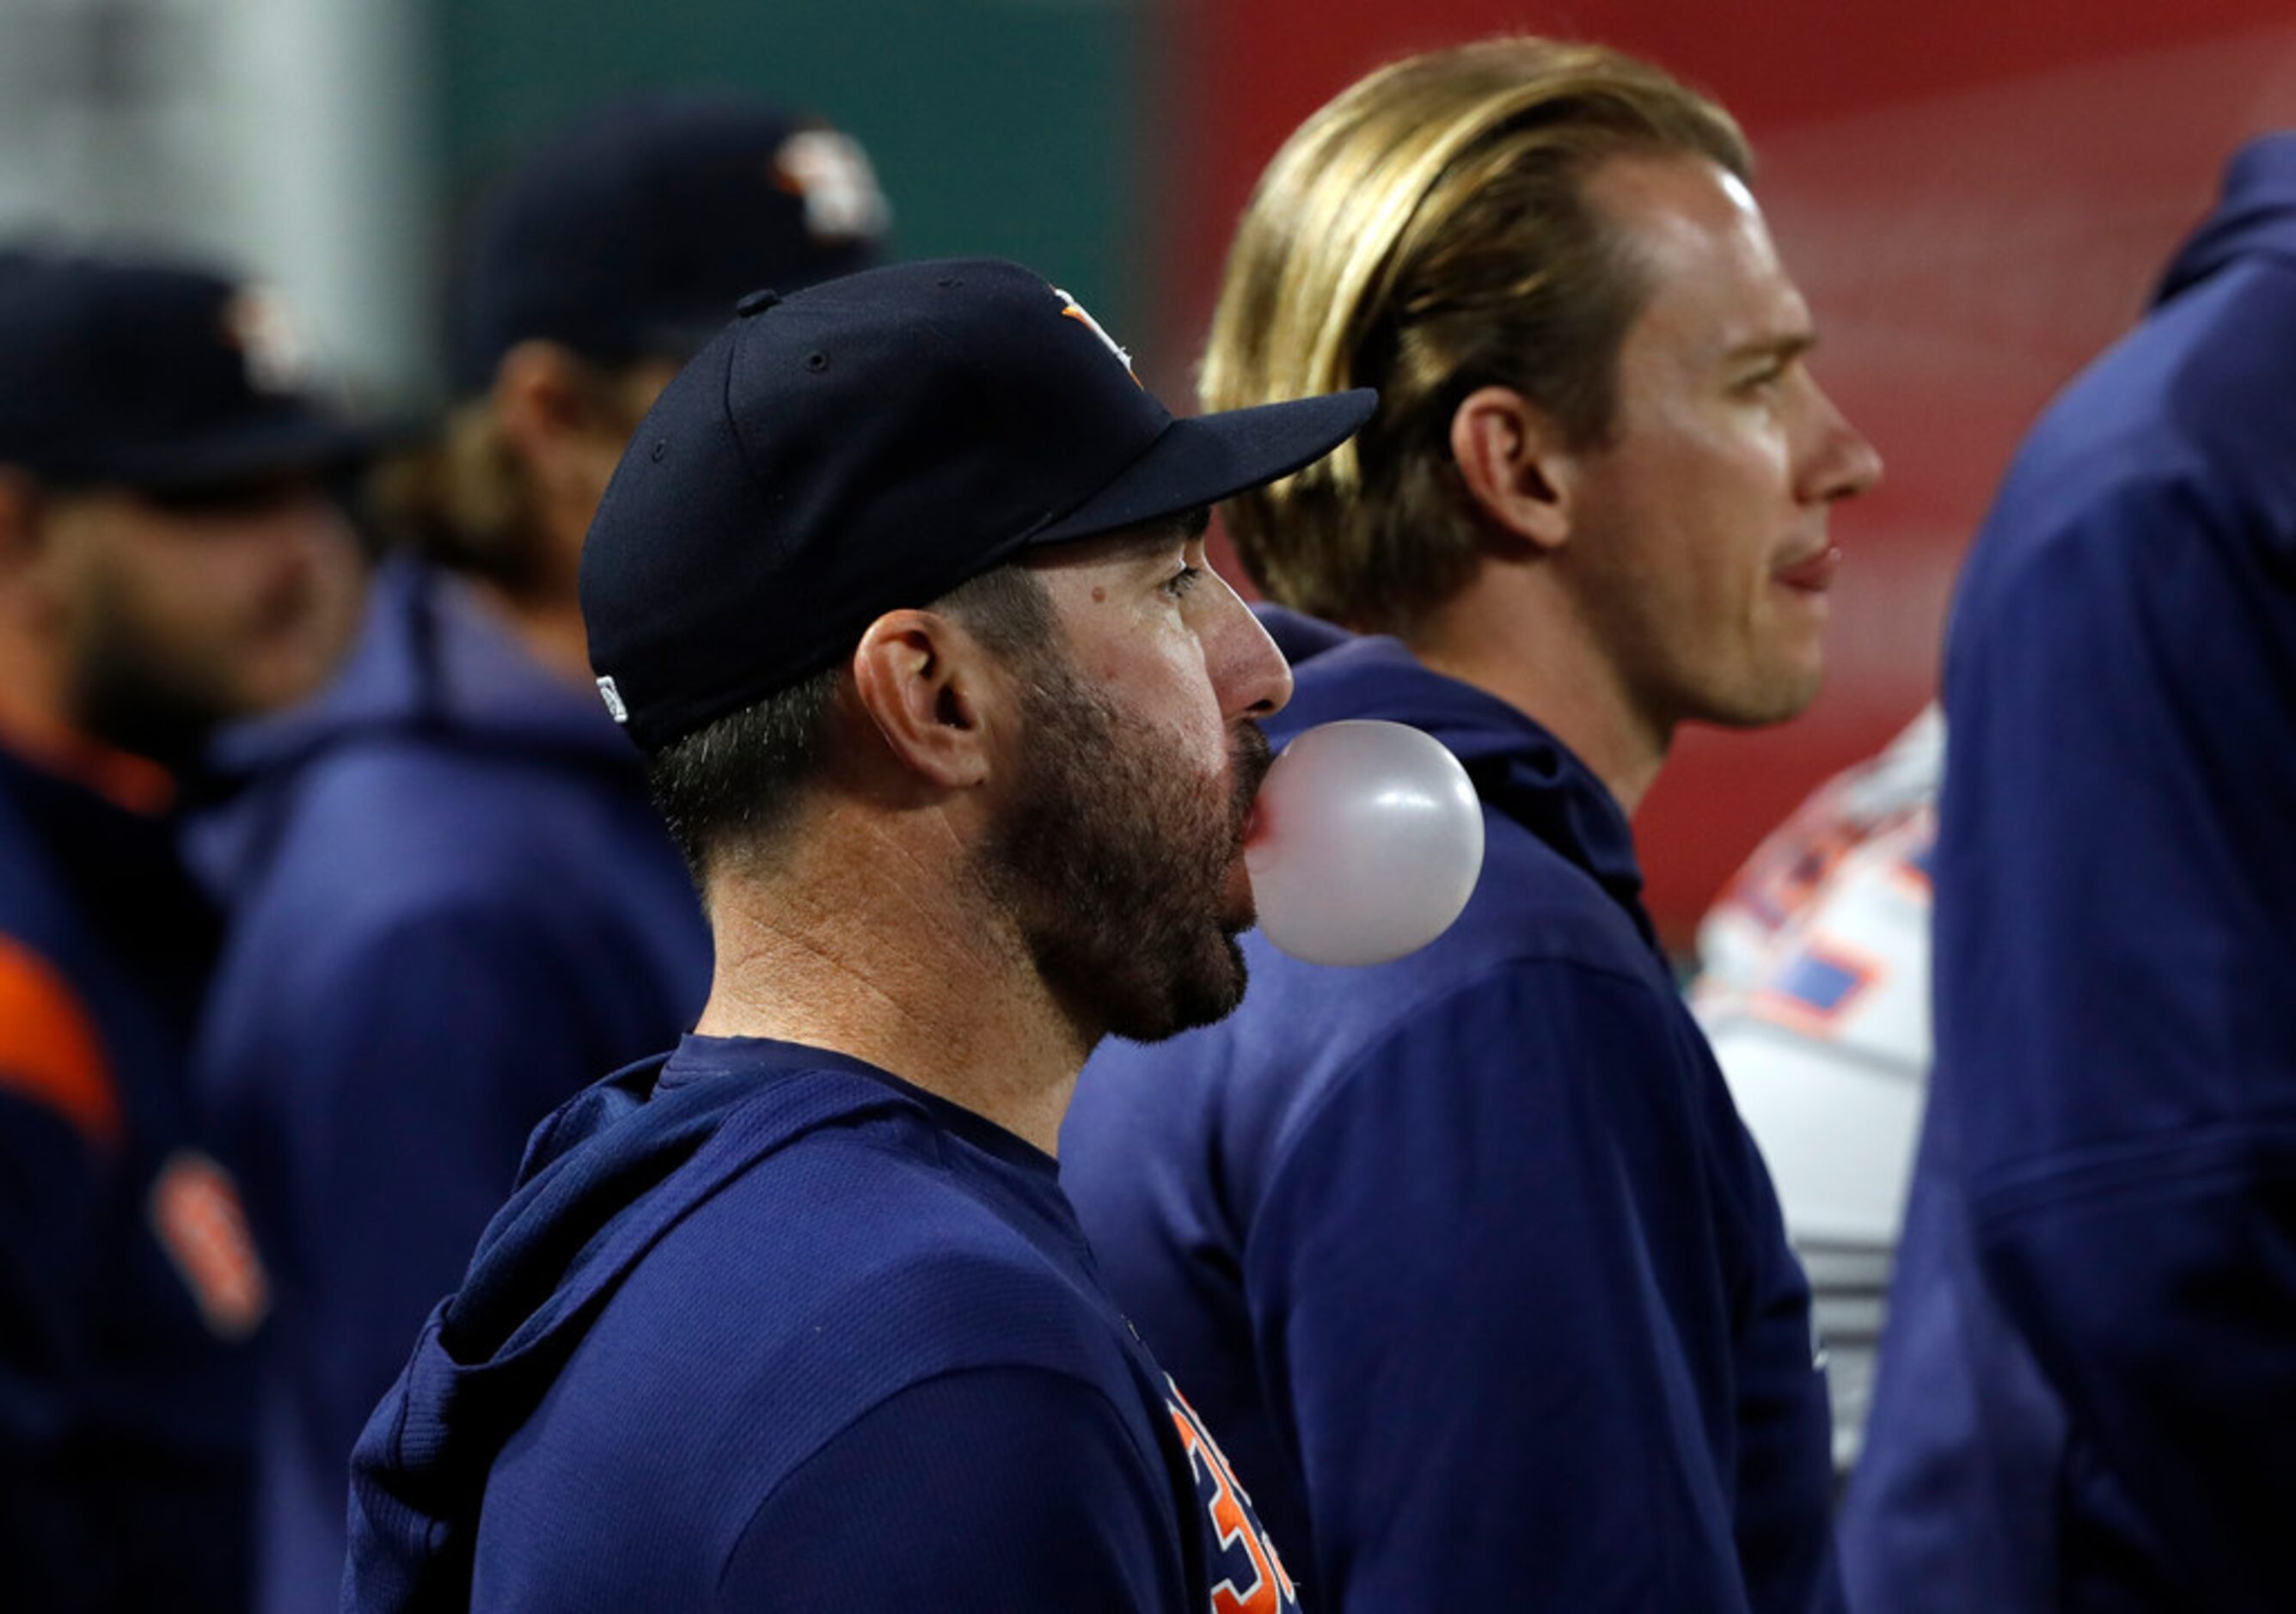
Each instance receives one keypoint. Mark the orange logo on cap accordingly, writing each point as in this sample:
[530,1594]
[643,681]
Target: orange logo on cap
[1072,309]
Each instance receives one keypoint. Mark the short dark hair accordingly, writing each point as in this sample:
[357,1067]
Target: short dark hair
[729,789]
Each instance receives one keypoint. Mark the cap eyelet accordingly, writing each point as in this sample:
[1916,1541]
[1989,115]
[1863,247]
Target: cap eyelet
[660,450]
[816,362]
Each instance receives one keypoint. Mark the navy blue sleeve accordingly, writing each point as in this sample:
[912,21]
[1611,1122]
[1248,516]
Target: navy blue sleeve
[1000,1490]
[2115,970]
[49,1199]
[1486,1285]
[422,1065]
[1785,1481]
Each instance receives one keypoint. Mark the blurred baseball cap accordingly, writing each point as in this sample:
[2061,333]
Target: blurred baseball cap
[869,443]
[629,235]
[155,377]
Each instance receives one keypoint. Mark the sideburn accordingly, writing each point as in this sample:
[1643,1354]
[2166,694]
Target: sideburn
[1113,864]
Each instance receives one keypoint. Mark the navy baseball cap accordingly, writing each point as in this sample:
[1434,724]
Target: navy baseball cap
[630,235]
[869,443]
[155,378]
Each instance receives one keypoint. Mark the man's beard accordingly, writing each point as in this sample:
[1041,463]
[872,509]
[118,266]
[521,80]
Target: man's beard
[1115,862]
[158,689]
[132,699]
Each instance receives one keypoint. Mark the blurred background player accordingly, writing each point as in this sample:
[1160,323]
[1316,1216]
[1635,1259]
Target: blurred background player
[1482,1280]
[2089,1375]
[1814,992]
[452,904]
[169,562]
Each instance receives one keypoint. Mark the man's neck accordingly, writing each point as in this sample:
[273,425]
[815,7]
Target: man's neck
[885,954]
[1522,640]
[549,628]
[544,613]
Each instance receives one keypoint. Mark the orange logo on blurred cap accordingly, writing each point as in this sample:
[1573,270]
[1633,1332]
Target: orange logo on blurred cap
[830,173]
[258,322]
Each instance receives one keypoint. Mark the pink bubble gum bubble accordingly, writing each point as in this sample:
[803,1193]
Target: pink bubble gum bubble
[1367,842]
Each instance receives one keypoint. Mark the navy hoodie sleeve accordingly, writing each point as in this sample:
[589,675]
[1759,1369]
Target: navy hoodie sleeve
[1518,1238]
[48,1200]
[1784,1491]
[2115,971]
[988,1491]
[433,1052]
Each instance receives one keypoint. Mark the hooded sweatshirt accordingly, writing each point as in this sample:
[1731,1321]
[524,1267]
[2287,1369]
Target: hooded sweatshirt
[2087,1388]
[1467,1255]
[765,1327]
[127,1287]
[453,907]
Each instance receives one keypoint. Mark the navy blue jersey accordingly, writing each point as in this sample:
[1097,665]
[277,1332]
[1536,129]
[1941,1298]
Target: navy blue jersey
[452,908]
[766,1327]
[129,1288]
[1468,1256]
[2088,1382]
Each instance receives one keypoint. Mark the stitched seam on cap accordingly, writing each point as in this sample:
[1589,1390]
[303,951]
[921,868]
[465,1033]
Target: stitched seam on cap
[733,421]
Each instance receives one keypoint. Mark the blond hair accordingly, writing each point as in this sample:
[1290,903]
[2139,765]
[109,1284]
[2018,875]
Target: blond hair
[1426,233]
[464,499]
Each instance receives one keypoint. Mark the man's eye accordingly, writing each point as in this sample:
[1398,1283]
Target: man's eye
[1179,586]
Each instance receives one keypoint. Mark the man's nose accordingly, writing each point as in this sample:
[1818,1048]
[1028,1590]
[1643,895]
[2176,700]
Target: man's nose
[1846,463]
[1249,672]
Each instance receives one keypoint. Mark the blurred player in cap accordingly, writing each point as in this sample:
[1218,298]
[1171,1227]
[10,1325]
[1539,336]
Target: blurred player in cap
[2087,1386]
[169,562]
[1472,1263]
[452,904]
[902,587]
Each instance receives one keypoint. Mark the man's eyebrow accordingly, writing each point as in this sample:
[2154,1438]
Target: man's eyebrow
[1791,344]
[1152,542]
[1186,526]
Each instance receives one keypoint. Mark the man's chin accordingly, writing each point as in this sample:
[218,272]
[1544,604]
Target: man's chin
[1783,695]
[1203,997]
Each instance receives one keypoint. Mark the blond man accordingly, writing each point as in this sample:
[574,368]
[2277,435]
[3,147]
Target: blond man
[1468,1256]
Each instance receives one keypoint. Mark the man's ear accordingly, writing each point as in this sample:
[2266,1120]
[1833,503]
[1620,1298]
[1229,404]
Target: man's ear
[922,680]
[1516,465]
[541,398]
[555,422]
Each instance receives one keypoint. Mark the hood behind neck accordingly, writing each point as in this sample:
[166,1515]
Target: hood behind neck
[432,658]
[2254,218]
[1520,769]
[604,1179]
[432,665]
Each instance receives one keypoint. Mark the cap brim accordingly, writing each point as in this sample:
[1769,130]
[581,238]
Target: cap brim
[1209,457]
[287,445]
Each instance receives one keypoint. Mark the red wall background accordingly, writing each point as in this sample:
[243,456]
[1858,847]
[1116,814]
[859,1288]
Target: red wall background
[1976,197]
